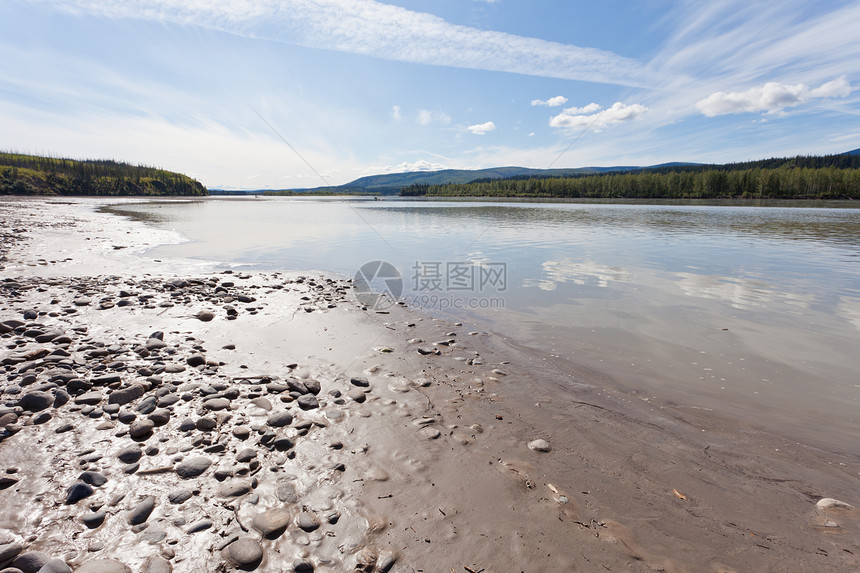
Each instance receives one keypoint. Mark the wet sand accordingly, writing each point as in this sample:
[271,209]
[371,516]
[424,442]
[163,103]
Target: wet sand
[175,415]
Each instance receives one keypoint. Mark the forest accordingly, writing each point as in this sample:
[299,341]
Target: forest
[36,175]
[824,177]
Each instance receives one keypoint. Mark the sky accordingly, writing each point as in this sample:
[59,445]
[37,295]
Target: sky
[281,94]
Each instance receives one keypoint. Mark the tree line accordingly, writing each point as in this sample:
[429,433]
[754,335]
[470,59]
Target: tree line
[38,175]
[784,182]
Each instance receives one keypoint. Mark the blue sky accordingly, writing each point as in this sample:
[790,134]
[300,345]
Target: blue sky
[275,94]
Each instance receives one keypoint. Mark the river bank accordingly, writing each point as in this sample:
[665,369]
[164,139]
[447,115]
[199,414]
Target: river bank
[269,421]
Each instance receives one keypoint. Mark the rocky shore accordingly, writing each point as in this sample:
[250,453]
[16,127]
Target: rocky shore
[154,421]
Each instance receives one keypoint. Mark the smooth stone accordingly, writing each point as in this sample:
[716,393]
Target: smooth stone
[157,564]
[77,492]
[160,416]
[147,405]
[307,521]
[195,360]
[31,561]
[245,553]
[430,433]
[36,401]
[103,566]
[830,503]
[8,551]
[200,525]
[241,432]
[235,489]
[360,382]
[193,467]
[129,455]
[94,519]
[179,496]
[272,523]
[539,445]
[308,402]
[141,428]
[262,403]
[216,404]
[128,394]
[357,395]
[280,419]
[187,424]
[246,455]
[55,566]
[206,424]
[287,493]
[93,478]
[141,512]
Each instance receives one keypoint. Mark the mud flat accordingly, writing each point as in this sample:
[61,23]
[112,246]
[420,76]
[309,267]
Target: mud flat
[179,416]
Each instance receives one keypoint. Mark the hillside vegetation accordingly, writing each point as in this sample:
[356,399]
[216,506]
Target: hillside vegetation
[35,175]
[825,177]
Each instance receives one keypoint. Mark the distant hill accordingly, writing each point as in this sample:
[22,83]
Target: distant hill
[35,175]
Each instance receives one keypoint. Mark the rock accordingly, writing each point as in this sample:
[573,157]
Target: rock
[179,496]
[8,551]
[93,478]
[204,316]
[241,432]
[206,424]
[272,523]
[830,503]
[129,455]
[36,401]
[386,561]
[141,428]
[125,395]
[245,553]
[280,419]
[287,493]
[160,416]
[539,445]
[307,521]
[187,424]
[234,489]
[308,402]
[55,566]
[156,564]
[430,433]
[103,566]
[216,404]
[78,491]
[200,525]
[140,513]
[193,467]
[357,394]
[89,398]
[155,344]
[246,455]
[360,382]
[195,360]
[313,386]
[94,519]
[147,405]
[31,561]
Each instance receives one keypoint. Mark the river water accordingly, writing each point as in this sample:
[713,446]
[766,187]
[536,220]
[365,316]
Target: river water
[751,312]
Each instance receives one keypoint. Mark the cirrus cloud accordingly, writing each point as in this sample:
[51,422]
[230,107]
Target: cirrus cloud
[772,97]
[596,116]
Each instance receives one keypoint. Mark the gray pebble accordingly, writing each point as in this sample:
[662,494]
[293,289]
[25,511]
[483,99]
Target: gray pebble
[103,566]
[141,512]
[280,419]
[193,467]
[272,523]
[245,553]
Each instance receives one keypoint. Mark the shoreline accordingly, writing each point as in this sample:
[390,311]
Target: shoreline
[437,473]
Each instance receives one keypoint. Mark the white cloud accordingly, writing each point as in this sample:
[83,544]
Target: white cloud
[371,28]
[551,102]
[772,97]
[406,167]
[596,117]
[482,128]
[395,113]
[426,117]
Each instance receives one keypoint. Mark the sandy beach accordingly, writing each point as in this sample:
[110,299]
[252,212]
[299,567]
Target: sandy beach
[176,415]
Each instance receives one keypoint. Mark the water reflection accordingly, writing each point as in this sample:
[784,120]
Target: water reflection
[581,273]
